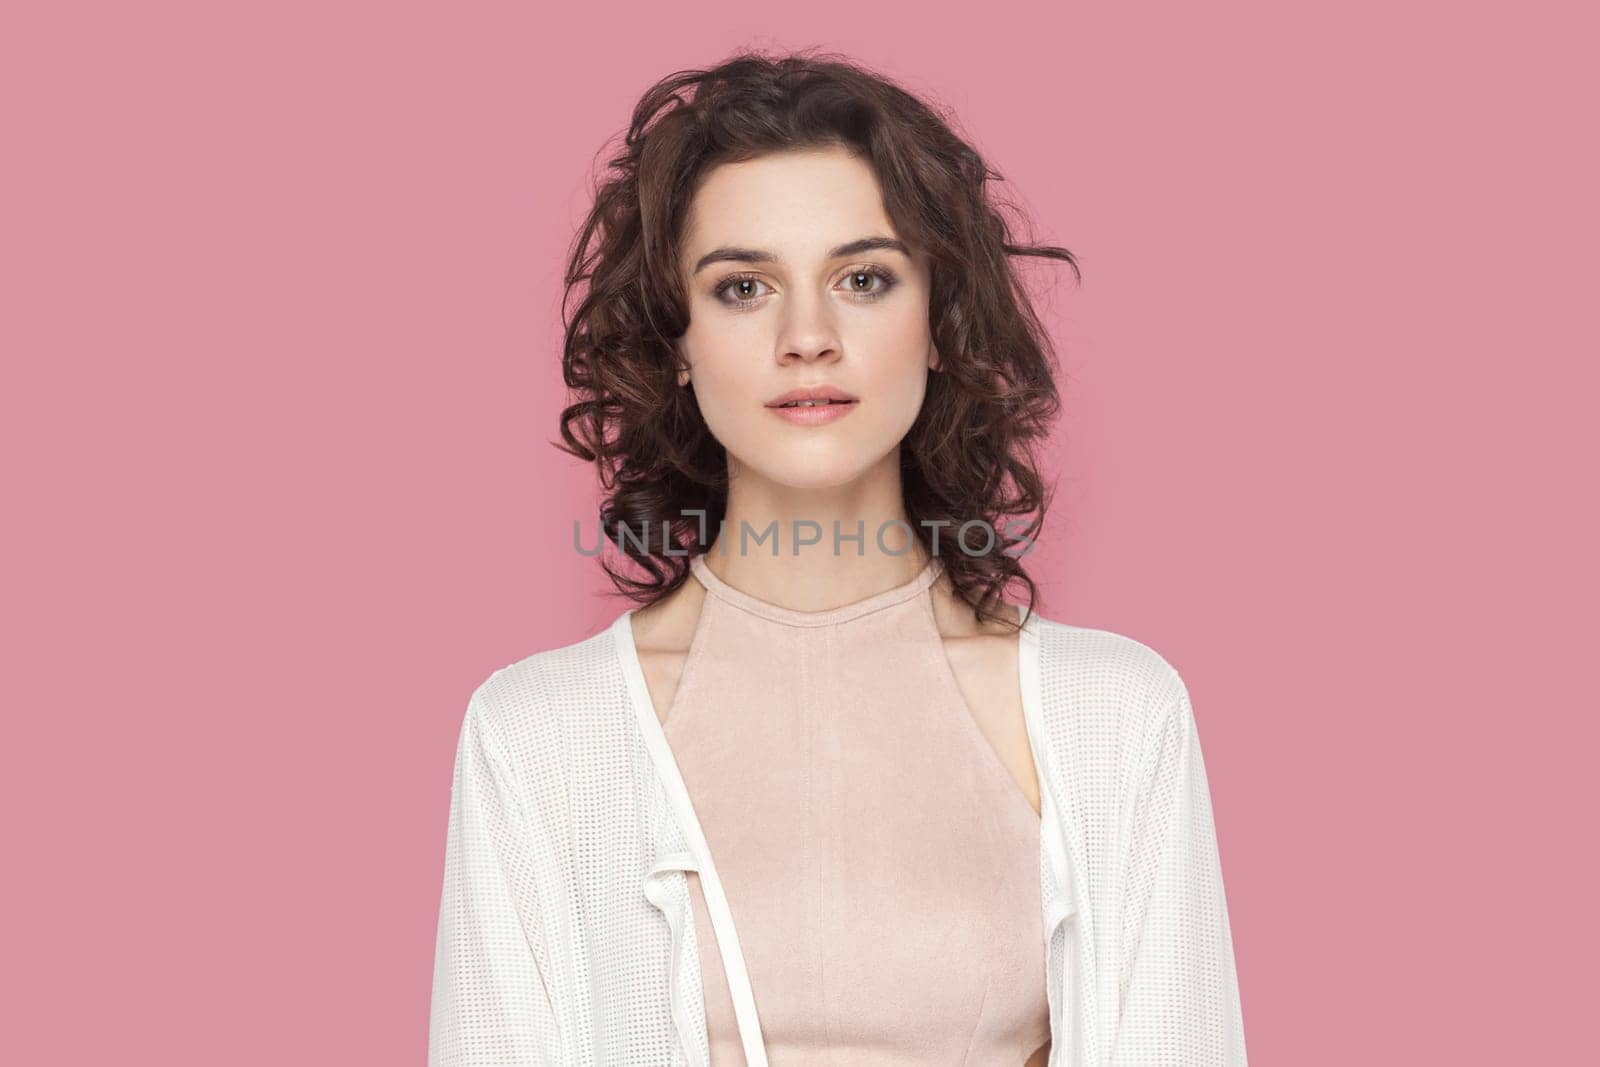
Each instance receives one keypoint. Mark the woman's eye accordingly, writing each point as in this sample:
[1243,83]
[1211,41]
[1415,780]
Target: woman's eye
[859,282]
[739,291]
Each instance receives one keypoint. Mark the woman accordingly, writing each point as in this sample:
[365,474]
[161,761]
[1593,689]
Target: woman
[825,795]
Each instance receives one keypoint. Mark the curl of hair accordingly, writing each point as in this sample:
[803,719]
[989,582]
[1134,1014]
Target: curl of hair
[970,453]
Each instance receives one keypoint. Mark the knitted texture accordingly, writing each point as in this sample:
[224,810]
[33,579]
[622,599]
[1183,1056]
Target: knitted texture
[566,934]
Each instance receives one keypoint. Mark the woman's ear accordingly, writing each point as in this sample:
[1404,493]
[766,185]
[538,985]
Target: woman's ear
[933,357]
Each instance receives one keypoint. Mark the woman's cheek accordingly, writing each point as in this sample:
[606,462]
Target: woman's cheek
[732,409]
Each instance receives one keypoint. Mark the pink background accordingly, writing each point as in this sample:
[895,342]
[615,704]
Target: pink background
[281,340]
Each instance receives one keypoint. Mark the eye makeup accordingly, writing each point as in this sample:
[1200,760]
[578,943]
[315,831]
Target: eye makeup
[886,279]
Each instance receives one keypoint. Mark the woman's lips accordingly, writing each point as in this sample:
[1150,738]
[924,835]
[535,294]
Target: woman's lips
[815,415]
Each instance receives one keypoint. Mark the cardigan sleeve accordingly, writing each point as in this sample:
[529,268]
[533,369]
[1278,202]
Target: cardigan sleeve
[1179,990]
[490,1004]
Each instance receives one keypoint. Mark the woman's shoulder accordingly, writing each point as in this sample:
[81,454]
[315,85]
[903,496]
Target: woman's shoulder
[553,695]
[1102,684]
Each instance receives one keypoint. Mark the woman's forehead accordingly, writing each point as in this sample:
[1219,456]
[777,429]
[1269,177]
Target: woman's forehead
[803,202]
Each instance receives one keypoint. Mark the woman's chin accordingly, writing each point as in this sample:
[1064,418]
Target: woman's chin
[810,472]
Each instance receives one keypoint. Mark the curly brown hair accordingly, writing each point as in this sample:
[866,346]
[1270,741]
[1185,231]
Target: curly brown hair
[970,453]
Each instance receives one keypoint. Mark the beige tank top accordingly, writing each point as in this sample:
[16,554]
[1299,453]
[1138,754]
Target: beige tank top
[880,861]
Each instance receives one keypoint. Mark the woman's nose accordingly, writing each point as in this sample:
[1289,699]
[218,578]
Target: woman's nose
[808,332]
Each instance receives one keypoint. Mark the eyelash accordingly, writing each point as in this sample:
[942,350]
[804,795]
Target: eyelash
[888,279]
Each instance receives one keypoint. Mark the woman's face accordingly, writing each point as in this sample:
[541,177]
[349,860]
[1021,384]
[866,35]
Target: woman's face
[783,295]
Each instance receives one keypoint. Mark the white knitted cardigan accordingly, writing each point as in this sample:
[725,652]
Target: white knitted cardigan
[565,930]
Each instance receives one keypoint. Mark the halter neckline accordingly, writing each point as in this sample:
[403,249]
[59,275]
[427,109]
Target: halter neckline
[755,605]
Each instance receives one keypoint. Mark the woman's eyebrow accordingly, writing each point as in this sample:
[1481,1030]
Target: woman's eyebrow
[761,255]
